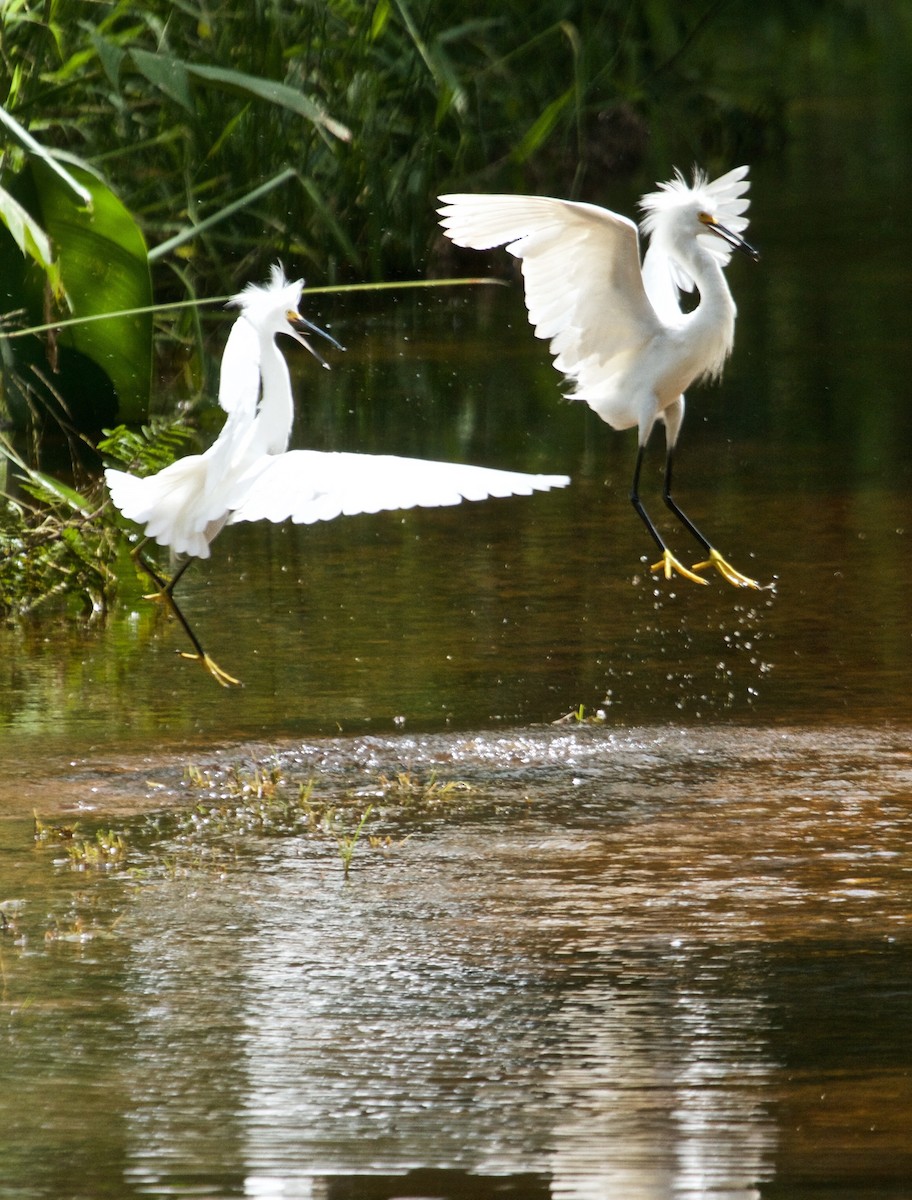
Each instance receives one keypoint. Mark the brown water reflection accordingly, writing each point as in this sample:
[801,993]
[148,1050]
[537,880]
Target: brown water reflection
[645,963]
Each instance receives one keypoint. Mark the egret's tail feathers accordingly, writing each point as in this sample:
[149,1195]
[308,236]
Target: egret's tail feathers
[166,505]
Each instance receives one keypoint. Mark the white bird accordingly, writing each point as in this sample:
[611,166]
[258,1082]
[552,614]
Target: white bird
[248,474]
[616,329]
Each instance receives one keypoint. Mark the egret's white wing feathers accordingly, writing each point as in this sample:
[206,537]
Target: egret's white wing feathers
[583,284]
[306,486]
[247,474]
[616,328]
[178,510]
[239,379]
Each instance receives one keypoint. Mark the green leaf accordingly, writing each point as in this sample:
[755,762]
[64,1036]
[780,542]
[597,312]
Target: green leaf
[110,55]
[104,267]
[193,231]
[30,238]
[271,91]
[541,128]
[37,151]
[168,74]
[50,490]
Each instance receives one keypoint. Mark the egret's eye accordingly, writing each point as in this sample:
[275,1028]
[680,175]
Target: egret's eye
[706,218]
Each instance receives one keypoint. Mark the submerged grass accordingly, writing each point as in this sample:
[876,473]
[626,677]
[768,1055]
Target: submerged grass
[260,799]
[238,806]
[225,826]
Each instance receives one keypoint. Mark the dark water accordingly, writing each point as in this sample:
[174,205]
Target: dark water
[666,954]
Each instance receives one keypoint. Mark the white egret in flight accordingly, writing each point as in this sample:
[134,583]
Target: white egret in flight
[616,328]
[249,474]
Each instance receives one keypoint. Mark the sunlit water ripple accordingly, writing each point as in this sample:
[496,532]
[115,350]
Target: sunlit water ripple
[599,976]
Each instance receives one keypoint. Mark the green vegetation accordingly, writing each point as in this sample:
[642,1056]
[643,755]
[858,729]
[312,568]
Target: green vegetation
[580,716]
[62,545]
[244,803]
[174,150]
[220,829]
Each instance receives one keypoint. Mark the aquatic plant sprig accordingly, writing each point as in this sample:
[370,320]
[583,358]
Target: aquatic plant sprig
[410,789]
[105,848]
[260,798]
[580,716]
[348,841]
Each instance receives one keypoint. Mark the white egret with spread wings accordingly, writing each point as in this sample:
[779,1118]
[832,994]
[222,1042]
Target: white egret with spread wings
[249,474]
[616,328]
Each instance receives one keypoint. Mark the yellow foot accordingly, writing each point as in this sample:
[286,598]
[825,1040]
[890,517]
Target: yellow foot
[213,668]
[669,564]
[726,570]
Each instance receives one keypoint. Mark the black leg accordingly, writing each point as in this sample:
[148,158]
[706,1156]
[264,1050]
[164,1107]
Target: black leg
[637,502]
[667,563]
[715,559]
[678,512]
[166,593]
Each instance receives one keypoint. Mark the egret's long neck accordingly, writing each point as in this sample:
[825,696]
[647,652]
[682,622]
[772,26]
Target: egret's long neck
[276,410]
[711,325]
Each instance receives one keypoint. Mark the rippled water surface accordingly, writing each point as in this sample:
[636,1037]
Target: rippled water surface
[662,951]
[594,962]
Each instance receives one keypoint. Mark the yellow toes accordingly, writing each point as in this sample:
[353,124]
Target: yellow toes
[670,565]
[726,570]
[220,676]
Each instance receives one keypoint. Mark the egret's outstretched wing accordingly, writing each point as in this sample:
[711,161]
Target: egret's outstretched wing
[309,485]
[581,267]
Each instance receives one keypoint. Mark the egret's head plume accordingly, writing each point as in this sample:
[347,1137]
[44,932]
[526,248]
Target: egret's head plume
[266,305]
[681,208]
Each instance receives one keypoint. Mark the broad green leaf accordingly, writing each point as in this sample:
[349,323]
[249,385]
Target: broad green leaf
[104,266]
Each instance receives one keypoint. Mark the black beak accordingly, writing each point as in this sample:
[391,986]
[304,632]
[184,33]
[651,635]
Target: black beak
[736,242]
[302,325]
[299,325]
